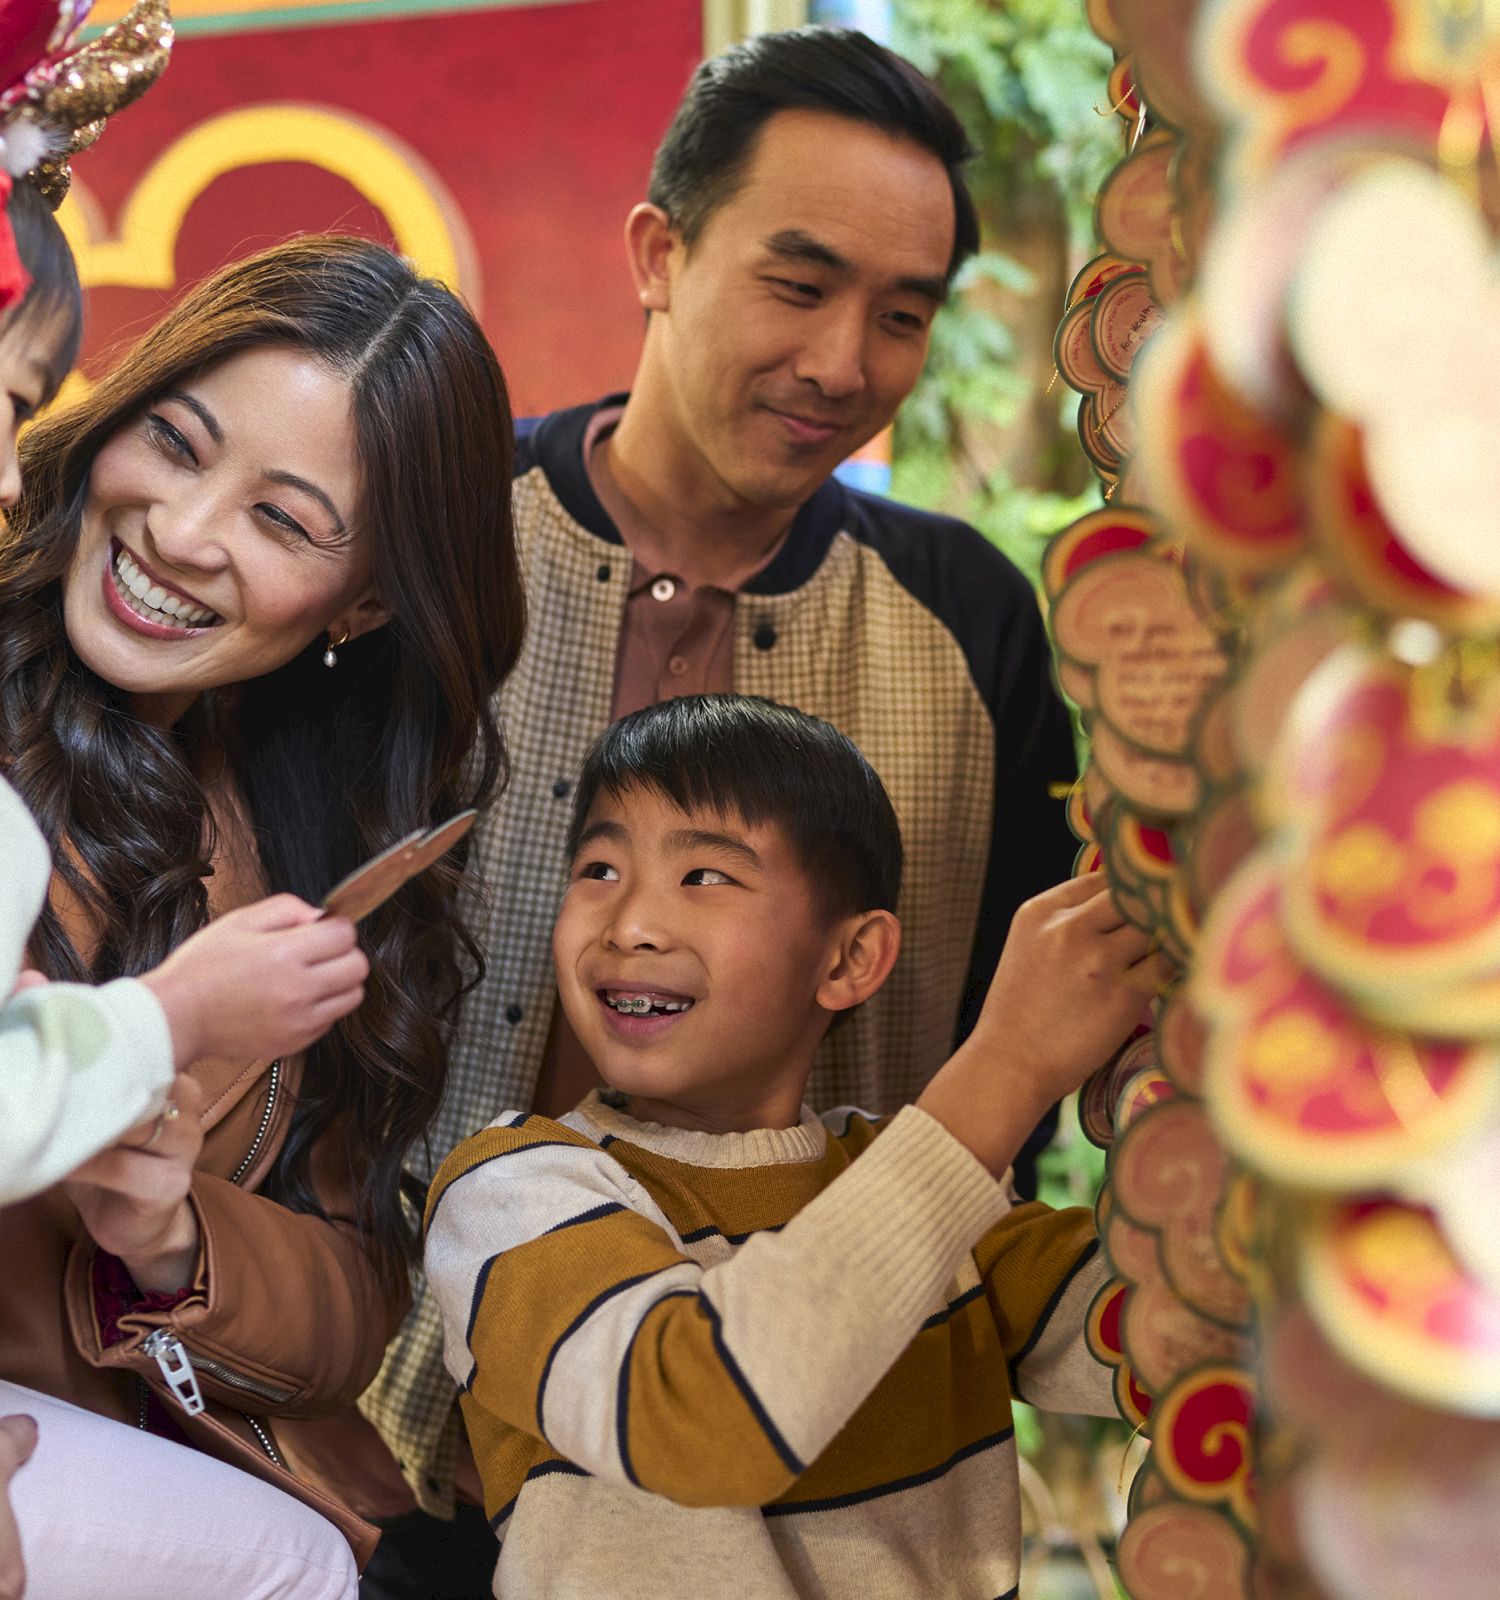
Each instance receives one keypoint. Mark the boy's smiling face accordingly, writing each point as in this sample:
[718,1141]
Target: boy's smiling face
[691,952]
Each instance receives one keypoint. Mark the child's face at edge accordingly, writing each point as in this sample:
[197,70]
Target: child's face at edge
[29,378]
[715,920]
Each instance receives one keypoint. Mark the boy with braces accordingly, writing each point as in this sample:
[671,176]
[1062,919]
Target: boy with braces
[707,1342]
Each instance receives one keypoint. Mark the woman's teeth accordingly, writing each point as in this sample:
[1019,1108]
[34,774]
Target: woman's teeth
[155,603]
[641,1005]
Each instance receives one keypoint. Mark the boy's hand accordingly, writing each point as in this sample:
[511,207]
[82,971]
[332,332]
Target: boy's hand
[1073,980]
[265,980]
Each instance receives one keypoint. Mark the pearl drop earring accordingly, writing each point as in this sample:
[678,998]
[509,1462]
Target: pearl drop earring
[330,655]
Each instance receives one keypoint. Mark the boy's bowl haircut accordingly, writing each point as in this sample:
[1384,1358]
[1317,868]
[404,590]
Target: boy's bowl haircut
[740,755]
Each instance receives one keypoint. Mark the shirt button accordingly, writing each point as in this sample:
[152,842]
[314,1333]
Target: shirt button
[764,637]
[603,573]
[677,666]
[560,789]
[513,1014]
[663,589]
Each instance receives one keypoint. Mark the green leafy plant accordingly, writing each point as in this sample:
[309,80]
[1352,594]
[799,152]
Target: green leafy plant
[984,435]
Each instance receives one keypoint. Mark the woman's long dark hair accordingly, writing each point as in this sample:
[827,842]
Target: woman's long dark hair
[332,766]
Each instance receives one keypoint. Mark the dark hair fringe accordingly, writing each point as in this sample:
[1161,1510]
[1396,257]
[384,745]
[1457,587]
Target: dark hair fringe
[703,155]
[332,766]
[55,293]
[740,755]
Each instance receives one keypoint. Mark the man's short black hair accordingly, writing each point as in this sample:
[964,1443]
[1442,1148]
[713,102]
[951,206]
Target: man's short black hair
[737,755]
[703,157]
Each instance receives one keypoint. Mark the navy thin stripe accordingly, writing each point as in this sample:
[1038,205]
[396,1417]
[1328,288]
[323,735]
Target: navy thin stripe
[709,1231]
[479,1285]
[592,1215]
[838,1502]
[622,1394]
[938,1318]
[520,1120]
[789,1457]
[578,1321]
[1090,1250]
[520,1149]
[544,1470]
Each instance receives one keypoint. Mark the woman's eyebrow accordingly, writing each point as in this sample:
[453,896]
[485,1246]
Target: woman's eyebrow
[204,415]
[291,481]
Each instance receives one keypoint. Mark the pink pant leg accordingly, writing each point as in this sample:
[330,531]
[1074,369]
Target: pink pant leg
[107,1512]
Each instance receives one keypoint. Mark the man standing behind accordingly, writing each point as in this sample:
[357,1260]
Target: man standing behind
[806,217]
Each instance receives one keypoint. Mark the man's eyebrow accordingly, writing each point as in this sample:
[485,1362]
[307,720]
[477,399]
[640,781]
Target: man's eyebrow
[688,839]
[615,832]
[292,481]
[796,244]
[204,415]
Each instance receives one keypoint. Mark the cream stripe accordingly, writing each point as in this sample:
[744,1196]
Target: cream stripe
[1058,1373]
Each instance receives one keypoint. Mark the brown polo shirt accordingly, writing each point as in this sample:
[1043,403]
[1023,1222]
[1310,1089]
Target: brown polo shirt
[676,638]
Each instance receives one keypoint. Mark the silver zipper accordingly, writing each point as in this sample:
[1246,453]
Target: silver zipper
[265,1122]
[166,1350]
[178,1369]
[237,1380]
[264,1436]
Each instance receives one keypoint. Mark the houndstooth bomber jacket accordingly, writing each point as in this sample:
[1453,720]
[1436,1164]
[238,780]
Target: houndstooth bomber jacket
[910,633]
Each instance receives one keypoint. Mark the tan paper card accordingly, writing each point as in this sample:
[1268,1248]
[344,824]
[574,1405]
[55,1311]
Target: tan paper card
[374,883]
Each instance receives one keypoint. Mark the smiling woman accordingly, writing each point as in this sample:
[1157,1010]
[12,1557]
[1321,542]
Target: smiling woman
[254,602]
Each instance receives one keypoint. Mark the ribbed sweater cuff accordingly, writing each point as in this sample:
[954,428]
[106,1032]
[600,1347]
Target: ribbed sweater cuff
[934,1202]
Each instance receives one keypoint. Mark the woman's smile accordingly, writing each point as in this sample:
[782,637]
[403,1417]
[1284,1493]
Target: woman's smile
[145,605]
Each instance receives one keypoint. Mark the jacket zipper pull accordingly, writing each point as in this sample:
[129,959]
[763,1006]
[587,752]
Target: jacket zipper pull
[171,1357]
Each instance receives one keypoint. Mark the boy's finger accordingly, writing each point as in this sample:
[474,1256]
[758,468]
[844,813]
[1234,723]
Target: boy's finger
[1126,945]
[1076,891]
[1152,974]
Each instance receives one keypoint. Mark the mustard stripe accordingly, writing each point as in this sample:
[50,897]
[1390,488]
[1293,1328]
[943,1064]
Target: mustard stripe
[622,1393]
[839,1502]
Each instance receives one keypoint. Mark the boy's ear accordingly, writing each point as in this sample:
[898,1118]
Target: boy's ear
[867,950]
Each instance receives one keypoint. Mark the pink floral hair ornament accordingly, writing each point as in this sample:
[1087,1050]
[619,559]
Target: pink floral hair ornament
[56,94]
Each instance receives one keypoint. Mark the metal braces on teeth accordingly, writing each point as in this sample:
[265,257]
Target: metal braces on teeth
[640,1005]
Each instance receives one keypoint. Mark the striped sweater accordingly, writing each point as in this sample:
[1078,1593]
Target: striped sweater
[695,1364]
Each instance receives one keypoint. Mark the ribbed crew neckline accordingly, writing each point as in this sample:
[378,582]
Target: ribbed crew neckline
[760,1147]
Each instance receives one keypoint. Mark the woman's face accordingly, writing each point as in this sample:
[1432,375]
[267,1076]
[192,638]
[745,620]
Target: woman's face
[218,537]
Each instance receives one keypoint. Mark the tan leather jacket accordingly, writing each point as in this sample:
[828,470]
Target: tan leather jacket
[289,1318]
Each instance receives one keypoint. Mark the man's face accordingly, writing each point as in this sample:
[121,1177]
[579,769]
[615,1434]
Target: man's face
[798,320]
